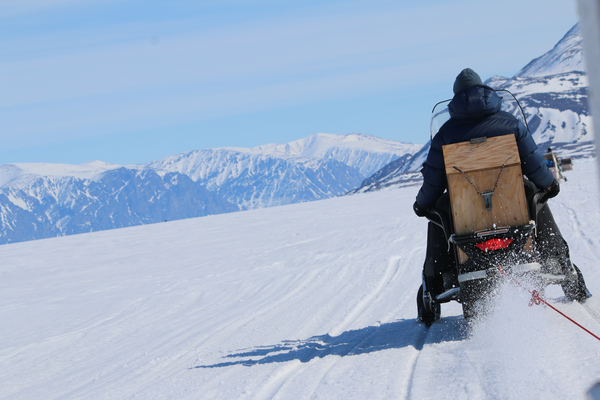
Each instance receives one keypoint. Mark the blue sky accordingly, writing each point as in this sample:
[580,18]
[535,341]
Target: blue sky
[132,81]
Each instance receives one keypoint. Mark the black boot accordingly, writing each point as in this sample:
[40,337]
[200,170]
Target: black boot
[574,286]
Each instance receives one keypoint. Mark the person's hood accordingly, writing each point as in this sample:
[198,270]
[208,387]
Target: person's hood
[474,103]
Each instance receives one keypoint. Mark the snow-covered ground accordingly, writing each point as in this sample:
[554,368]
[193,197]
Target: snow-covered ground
[306,301]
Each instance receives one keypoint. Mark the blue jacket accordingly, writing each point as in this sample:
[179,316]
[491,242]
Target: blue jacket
[475,113]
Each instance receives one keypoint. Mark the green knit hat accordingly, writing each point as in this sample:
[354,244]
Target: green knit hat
[466,79]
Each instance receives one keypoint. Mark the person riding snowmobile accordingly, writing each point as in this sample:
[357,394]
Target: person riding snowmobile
[475,112]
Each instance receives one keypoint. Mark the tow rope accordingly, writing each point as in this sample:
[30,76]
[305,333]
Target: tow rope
[536,299]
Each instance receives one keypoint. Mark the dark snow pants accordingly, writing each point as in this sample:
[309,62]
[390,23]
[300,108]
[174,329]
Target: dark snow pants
[439,257]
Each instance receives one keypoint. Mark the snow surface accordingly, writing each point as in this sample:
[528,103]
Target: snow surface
[306,301]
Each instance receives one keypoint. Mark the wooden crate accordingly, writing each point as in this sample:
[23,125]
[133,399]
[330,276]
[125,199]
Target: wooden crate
[481,163]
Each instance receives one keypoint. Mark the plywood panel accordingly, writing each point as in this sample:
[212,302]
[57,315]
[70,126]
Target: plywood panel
[491,153]
[481,163]
[509,206]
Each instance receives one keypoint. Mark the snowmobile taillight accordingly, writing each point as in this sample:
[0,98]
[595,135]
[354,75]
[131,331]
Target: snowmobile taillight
[494,244]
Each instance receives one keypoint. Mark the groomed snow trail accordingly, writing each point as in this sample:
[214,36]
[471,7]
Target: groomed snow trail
[307,301]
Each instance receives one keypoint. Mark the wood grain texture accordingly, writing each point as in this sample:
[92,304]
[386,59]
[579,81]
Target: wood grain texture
[486,155]
[482,164]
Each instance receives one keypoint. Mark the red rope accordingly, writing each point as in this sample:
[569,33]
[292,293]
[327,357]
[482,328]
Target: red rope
[537,300]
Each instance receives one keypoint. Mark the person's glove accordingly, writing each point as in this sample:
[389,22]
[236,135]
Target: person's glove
[553,191]
[420,211]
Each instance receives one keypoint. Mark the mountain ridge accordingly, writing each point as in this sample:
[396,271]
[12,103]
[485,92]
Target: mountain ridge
[565,56]
[42,200]
[552,91]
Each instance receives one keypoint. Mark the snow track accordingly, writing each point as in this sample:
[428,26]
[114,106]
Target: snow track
[360,308]
[287,373]
[308,301]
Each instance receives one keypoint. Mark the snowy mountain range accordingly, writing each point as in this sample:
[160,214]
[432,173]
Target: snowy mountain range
[317,167]
[552,90]
[45,200]
[34,206]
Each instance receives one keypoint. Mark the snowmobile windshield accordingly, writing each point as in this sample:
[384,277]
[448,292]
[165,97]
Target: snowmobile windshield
[511,105]
[441,114]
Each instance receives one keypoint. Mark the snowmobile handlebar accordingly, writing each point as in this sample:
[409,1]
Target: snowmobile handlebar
[439,218]
[541,197]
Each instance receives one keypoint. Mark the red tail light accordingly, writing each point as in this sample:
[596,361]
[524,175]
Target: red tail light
[494,244]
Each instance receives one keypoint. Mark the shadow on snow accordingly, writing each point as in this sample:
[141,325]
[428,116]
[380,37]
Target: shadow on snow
[393,335]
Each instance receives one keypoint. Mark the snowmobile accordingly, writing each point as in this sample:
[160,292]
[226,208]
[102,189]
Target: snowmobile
[557,165]
[490,224]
